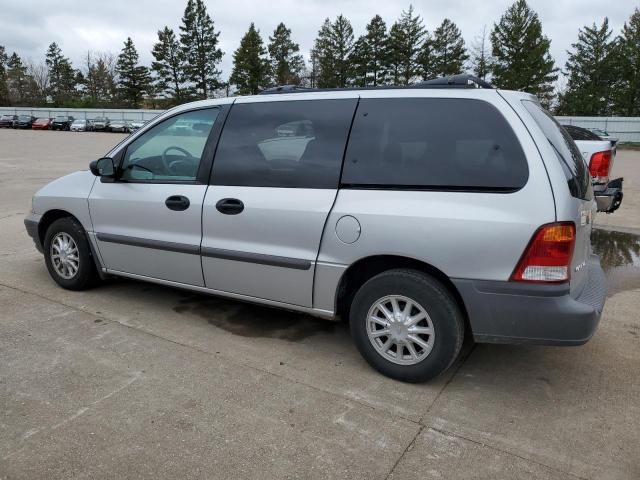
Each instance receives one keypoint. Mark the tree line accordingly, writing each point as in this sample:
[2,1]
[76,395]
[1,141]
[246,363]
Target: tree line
[602,70]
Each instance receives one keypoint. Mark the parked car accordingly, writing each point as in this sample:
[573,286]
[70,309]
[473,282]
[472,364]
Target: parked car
[604,135]
[81,125]
[136,125]
[121,126]
[41,124]
[24,121]
[421,214]
[599,155]
[101,124]
[62,122]
[6,121]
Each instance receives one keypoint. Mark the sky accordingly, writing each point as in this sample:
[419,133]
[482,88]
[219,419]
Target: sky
[29,26]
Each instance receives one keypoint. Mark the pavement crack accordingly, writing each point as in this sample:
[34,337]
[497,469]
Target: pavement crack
[506,452]
[408,448]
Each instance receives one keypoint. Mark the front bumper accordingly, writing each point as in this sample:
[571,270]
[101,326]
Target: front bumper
[610,198]
[31,224]
[518,313]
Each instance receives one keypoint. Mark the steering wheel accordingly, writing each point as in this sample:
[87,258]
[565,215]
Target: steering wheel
[168,166]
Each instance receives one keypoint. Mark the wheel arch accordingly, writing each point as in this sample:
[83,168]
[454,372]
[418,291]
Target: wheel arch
[366,268]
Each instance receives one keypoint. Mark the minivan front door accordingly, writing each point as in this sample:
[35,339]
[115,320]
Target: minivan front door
[274,181]
[148,221]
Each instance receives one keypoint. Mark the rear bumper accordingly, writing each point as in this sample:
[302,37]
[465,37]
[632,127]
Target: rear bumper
[516,313]
[31,224]
[610,199]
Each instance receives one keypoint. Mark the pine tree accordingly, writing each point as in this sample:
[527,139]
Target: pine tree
[590,74]
[378,51]
[405,41]
[62,77]
[359,60]
[481,57]
[332,48]
[627,98]
[287,65]
[250,66]
[199,43]
[4,91]
[17,80]
[99,76]
[521,53]
[168,65]
[133,79]
[446,51]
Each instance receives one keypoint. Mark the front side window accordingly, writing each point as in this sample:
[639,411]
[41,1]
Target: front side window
[433,143]
[171,150]
[284,144]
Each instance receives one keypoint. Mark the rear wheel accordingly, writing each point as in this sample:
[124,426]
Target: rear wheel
[407,325]
[68,255]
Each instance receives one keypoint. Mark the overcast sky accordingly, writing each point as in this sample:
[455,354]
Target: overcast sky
[29,26]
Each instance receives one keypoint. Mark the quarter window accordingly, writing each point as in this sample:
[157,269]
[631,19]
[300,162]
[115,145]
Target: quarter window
[171,150]
[457,144]
[284,144]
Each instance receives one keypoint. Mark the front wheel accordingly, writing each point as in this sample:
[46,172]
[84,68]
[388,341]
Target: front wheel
[407,325]
[68,255]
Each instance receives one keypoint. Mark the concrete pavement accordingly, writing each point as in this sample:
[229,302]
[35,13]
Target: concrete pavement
[133,380]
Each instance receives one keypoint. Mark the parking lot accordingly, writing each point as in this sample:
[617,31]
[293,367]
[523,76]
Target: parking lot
[141,381]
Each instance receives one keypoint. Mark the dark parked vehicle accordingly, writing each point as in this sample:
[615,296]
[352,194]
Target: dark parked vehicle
[62,123]
[24,121]
[6,121]
[101,124]
[42,124]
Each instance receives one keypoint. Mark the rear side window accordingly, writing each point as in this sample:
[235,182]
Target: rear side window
[284,144]
[566,151]
[433,143]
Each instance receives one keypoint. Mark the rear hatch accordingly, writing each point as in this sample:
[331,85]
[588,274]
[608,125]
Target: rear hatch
[581,205]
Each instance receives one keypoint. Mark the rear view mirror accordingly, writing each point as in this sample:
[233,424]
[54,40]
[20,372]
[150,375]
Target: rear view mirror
[103,167]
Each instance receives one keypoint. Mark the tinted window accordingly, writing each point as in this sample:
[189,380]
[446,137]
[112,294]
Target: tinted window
[433,143]
[565,148]
[284,144]
[578,133]
[171,150]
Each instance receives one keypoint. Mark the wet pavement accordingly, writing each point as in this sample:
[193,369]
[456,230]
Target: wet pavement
[620,258]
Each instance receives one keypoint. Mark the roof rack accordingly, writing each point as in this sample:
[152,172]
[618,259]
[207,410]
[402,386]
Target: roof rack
[455,81]
[452,81]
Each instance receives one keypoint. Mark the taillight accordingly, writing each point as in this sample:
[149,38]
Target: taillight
[547,258]
[599,166]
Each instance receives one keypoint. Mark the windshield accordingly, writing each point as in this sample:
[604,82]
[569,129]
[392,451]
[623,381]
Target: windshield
[24,117]
[7,117]
[61,119]
[100,119]
[79,121]
[41,120]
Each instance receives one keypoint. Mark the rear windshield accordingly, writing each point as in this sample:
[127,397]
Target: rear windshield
[578,133]
[435,144]
[573,165]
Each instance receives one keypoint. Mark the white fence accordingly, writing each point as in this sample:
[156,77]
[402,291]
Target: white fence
[627,129]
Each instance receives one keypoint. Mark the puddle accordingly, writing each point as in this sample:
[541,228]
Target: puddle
[620,258]
[254,321]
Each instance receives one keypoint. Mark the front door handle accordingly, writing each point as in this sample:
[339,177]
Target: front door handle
[177,203]
[230,206]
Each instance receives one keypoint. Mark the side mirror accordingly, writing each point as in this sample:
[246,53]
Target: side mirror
[103,167]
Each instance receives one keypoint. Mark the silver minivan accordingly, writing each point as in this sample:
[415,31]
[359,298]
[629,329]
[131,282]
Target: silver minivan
[423,215]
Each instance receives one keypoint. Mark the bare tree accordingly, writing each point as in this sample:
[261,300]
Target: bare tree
[39,81]
[480,63]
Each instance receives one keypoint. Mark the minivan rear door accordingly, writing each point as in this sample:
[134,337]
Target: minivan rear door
[274,181]
[579,205]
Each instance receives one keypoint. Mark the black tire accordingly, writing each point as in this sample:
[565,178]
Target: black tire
[86,276]
[441,306]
